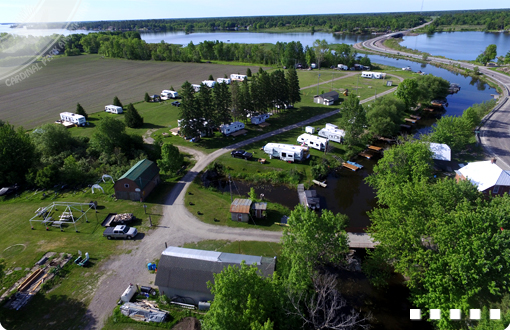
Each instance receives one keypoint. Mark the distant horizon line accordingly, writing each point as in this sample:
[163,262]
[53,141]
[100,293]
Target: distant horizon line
[220,17]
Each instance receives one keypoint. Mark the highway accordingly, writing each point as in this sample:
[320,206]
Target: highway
[495,128]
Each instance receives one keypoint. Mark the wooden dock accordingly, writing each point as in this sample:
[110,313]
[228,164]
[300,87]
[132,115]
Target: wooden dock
[409,120]
[322,184]
[361,241]
[415,117]
[365,154]
[429,109]
[375,148]
[349,166]
[301,194]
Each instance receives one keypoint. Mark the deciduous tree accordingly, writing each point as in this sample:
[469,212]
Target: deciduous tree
[109,134]
[171,159]
[408,92]
[488,55]
[353,120]
[16,153]
[384,116]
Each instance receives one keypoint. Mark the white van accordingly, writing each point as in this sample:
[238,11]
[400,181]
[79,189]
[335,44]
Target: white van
[113,109]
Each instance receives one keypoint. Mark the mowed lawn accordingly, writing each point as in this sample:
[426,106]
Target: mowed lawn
[94,81]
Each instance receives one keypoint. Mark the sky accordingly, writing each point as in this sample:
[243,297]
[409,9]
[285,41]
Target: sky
[25,11]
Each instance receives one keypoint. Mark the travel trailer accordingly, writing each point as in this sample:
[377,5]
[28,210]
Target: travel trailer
[343,67]
[113,109]
[69,117]
[238,77]
[310,129]
[168,94]
[196,87]
[332,133]
[313,141]
[223,80]
[259,119]
[287,152]
[231,128]
[209,83]
[373,75]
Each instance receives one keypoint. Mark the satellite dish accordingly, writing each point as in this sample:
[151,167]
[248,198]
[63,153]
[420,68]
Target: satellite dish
[137,190]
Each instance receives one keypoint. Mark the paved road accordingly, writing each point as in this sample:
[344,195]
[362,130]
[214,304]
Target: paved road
[495,129]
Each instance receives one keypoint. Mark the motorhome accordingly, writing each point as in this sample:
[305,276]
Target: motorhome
[313,141]
[196,87]
[113,109]
[238,77]
[73,118]
[209,83]
[287,152]
[259,119]
[231,128]
[332,133]
[223,80]
[168,94]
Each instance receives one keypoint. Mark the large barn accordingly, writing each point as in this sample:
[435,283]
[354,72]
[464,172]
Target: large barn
[183,273]
[137,183]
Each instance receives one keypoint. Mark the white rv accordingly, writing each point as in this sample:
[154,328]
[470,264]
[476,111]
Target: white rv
[238,77]
[73,118]
[259,119]
[113,109]
[367,74]
[332,133]
[342,67]
[287,152]
[196,87]
[313,141]
[209,83]
[168,94]
[223,80]
[310,129]
[231,128]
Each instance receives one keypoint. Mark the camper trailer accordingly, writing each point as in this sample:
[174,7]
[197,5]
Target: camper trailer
[313,141]
[343,67]
[259,119]
[231,128]
[237,77]
[196,87]
[287,152]
[168,94]
[113,109]
[310,129]
[209,83]
[223,80]
[332,133]
[69,117]
[367,74]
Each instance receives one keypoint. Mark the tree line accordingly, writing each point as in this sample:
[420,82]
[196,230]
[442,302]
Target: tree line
[490,19]
[203,111]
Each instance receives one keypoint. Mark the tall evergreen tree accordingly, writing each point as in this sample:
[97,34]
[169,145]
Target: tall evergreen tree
[147,98]
[81,111]
[248,72]
[206,105]
[132,117]
[246,100]
[236,100]
[257,95]
[266,90]
[189,111]
[116,102]
[293,86]
[280,89]
[211,77]
[222,101]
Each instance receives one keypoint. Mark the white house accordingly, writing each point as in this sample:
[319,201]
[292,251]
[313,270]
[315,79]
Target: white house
[209,83]
[259,119]
[238,77]
[73,118]
[168,94]
[113,109]
[486,176]
[287,152]
[223,80]
[231,128]
[441,151]
[313,141]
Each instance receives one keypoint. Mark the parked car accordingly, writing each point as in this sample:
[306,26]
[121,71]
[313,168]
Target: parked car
[120,232]
[176,103]
[241,154]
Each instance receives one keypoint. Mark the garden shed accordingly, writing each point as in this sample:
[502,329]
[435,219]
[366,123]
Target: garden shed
[240,209]
[259,209]
[138,182]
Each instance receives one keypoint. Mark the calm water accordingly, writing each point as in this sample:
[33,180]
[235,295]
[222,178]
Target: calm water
[307,39]
[40,32]
[459,45]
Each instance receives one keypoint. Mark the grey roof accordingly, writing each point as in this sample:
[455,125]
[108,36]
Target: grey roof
[504,179]
[331,94]
[190,269]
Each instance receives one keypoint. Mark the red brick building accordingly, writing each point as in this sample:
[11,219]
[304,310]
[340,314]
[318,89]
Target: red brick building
[486,176]
[137,183]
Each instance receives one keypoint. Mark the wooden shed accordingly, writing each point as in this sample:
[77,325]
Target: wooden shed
[259,209]
[138,182]
[240,209]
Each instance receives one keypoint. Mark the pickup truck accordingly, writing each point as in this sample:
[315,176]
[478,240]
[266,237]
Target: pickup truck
[120,232]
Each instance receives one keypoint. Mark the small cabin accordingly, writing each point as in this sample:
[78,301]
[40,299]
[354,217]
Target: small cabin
[240,209]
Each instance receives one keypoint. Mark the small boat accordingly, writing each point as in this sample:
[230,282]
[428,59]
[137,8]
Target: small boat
[355,164]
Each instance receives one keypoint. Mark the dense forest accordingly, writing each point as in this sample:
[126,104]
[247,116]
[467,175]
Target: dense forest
[492,19]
